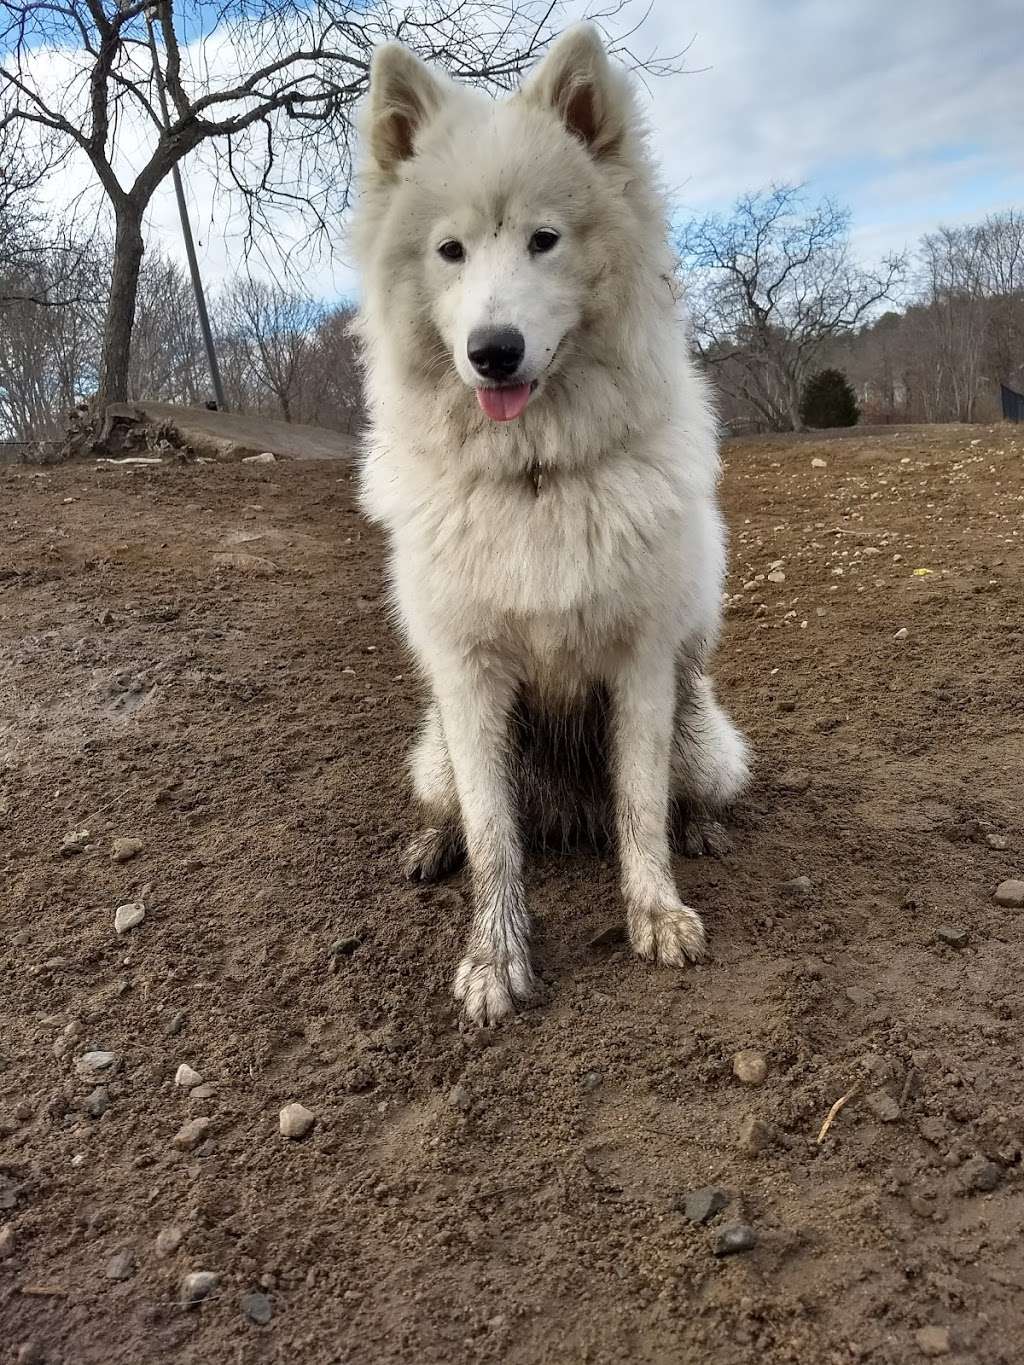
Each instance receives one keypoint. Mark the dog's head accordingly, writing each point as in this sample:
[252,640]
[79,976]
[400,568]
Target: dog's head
[497,229]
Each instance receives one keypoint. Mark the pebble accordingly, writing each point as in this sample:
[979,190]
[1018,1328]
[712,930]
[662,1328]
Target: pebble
[63,1045]
[902,634]
[755,1135]
[459,1098]
[702,1205]
[1010,893]
[998,842]
[798,888]
[201,1092]
[176,1023]
[188,1138]
[735,1238]
[592,1080]
[883,1106]
[74,843]
[90,1064]
[819,463]
[8,1241]
[264,457]
[122,850]
[257,1308]
[776,576]
[98,1102]
[186,1077]
[978,1175]
[795,780]
[129,916]
[933,1341]
[198,1286]
[949,933]
[121,1266]
[168,1241]
[750,1067]
[296,1121]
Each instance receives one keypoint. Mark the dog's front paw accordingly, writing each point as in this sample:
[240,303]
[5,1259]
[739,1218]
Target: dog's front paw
[488,991]
[667,931]
[433,854]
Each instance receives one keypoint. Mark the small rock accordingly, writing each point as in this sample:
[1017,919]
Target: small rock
[168,1241]
[1010,893]
[797,888]
[175,1024]
[735,1238]
[74,843]
[106,617]
[63,1045]
[883,1106]
[201,1092]
[188,1138]
[795,780]
[949,933]
[750,1067]
[265,457]
[859,997]
[257,1308]
[933,1341]
[592,1080]
[8,1241]
[818,463]
[902,634]
[296,1121]
[186,1077]
[121,1266]
[755,1135]
[90,1064]
[978,1175]
[129,916]
[998,842]
[122,850]
[933,1130]
[776,576]
[459,1098]
[98,1102]
[198,1286]
[702,1205]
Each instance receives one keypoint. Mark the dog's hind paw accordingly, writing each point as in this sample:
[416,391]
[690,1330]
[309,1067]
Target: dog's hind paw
[701,838]
[487,992]
[433,854]
[668,932]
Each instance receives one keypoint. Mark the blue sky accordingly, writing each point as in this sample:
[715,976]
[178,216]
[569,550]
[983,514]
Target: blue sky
[909,111]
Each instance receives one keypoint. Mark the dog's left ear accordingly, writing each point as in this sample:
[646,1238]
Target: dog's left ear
[404,95]
[577,81]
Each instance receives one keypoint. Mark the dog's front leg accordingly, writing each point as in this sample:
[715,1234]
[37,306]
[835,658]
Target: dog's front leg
[475,704]
[660,926]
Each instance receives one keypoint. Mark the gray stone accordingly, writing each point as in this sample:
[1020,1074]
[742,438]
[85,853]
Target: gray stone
[750,1067]
[129,916]
[460,1098]
[794,780]
[755,1135]
[8,1241]
[198,1286]
[123,850]
[978,1175]
[186,1077]
[797,888]
[933,1341]
[883,1106]
[98,1102]
[1010,893]
[92,1064]
[188,1138]
[902,634]
[296,1121]
[168,1241]
[121,1265]
[701,1206]
[74,843]
[949,933]
[735,1238]
[592,1080]
[257,1308]
[998,842]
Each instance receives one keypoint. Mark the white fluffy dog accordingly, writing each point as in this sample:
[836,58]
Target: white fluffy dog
[543,456]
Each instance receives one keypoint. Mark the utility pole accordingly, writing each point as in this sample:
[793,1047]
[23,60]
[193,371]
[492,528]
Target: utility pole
[186,229]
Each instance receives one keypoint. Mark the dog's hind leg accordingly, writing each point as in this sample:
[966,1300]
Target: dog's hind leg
[438,849]
[643,695]
[710,767]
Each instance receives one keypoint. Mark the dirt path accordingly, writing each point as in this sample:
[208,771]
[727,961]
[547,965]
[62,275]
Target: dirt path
[246,720]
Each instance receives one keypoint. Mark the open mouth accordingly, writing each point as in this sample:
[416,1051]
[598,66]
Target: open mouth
[506,402]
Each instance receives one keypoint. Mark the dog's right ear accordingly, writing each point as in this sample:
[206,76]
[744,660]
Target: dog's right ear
[404,95]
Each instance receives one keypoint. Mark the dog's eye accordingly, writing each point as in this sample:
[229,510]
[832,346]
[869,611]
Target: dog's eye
[543,240]
[452,250]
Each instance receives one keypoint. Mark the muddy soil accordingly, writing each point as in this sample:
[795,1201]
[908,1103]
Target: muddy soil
[199,658]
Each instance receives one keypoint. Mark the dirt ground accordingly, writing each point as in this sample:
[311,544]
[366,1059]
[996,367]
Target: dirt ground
[199,658]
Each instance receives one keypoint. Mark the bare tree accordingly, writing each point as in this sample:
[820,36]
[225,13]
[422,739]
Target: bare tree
[268,85]
[769,287]
[274,330]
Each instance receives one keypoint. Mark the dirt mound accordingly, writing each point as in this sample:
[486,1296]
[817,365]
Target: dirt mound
[522,1195]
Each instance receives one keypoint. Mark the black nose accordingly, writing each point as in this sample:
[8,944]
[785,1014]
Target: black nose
[496,352]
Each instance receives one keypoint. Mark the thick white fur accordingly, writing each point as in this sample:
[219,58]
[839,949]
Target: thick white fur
[611,570]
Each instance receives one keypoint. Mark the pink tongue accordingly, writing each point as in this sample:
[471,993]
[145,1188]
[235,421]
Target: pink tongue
[502,405]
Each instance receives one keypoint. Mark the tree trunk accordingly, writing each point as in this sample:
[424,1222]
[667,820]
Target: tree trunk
[124,291]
